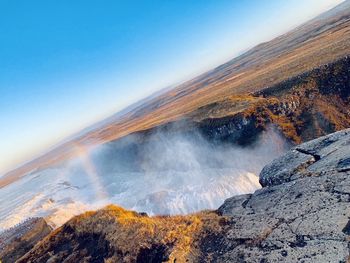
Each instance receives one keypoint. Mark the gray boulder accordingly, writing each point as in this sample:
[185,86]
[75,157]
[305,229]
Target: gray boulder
[323,155]
[302,212]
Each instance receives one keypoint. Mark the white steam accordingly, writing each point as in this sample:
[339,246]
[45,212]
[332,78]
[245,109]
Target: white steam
[170,174]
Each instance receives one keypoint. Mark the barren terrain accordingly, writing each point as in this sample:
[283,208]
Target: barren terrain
[318,42]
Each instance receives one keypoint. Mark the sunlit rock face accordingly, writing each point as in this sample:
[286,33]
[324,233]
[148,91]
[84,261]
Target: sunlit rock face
[169,173]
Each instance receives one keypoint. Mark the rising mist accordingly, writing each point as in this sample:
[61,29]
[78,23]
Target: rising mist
[167,173]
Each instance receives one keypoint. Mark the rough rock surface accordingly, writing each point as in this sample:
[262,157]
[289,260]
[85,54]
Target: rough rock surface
[300,215]
[325,155]
[17,241]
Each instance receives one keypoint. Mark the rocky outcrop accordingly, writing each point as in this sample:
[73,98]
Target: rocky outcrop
[326,155]
[300,215]
[17,241]
[304,107]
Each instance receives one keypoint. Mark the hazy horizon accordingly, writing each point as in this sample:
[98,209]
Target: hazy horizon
[59,77]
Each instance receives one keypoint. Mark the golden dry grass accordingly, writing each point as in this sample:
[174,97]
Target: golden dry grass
[129,233]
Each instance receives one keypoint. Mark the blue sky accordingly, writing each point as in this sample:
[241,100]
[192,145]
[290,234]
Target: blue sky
[67,64]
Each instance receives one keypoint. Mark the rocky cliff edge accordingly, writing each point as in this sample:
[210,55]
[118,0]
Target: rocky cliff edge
[301,214]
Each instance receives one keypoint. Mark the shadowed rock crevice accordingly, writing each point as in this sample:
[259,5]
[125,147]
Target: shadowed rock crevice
[316,156]
[344,165]
[154,254]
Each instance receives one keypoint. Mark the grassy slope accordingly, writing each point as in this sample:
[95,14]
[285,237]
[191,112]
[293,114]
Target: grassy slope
[113,234]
